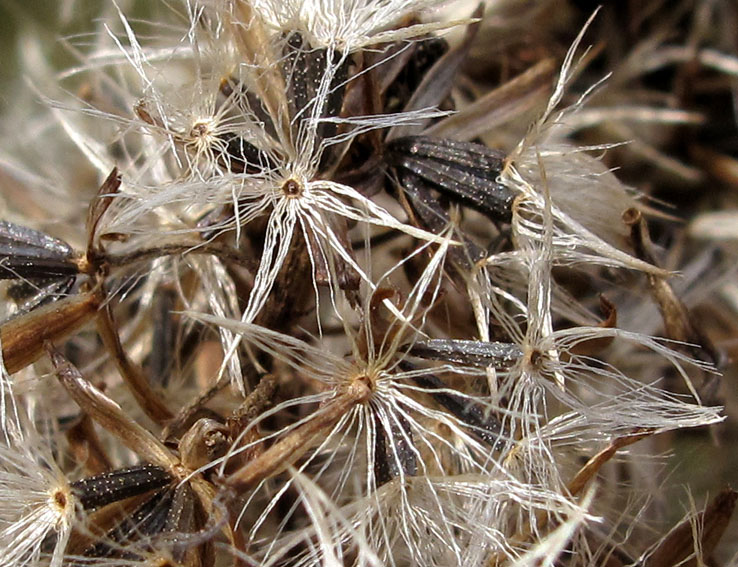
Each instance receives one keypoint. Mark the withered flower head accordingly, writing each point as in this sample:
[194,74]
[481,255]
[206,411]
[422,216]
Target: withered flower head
[322,282]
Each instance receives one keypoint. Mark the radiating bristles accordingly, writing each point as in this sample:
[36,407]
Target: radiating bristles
[38,509]
[362,297]
[468,412]
[241,156]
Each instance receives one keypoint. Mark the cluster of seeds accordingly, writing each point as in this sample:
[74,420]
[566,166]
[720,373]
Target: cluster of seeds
[311,318]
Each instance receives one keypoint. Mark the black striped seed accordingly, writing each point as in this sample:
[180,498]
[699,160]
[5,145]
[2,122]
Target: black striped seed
[103,489]
[464,171]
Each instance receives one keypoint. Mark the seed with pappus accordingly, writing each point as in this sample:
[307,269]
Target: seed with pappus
[309,283]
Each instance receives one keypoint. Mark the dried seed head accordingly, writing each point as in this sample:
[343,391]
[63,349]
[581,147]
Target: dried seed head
[427,416]
[36,501]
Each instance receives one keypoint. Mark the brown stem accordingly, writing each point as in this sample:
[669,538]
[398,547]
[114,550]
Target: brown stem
[291,447]
[147,398]
[110,415]
[590,469]
[23,337]
[218,249]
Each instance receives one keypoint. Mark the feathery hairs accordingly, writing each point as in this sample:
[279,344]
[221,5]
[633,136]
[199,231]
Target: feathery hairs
[327,304]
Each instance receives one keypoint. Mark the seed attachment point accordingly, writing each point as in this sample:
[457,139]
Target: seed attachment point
[292,188]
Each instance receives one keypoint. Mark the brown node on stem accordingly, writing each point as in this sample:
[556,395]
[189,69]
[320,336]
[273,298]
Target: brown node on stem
[679,325]
[60,498]
[292,188]
[535,358]
[365,383]
[199,130]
